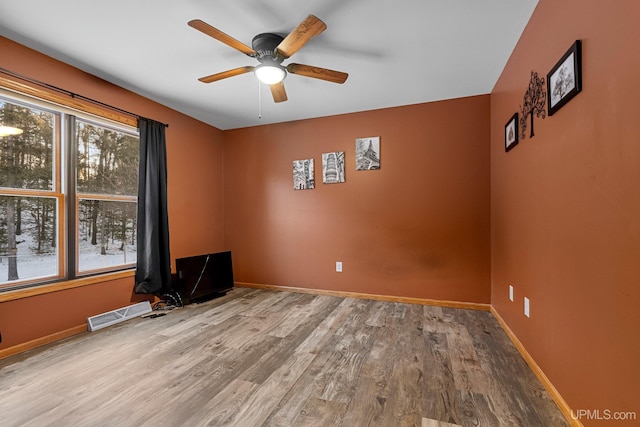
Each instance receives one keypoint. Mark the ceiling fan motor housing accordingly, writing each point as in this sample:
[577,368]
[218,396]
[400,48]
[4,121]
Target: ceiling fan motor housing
[265,45]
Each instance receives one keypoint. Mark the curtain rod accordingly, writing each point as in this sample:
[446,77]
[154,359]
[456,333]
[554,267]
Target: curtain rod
[71,94]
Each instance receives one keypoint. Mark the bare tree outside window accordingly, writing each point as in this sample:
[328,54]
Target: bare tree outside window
[28,218]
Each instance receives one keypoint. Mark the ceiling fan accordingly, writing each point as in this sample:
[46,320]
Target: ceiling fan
[270,50]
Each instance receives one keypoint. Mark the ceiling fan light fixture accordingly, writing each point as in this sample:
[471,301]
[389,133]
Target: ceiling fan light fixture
[270,74]
[9,130]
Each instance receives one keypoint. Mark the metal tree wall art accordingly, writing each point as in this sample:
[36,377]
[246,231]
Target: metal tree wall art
[535,100]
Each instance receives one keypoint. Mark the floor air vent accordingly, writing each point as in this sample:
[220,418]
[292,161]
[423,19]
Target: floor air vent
[116,316]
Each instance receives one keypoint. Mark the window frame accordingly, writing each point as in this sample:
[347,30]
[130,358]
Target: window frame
[64,176]
[76,196]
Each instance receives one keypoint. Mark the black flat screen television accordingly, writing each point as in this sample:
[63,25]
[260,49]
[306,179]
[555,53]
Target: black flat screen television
[203,277]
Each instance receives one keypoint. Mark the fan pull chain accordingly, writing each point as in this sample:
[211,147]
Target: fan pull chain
[259,101]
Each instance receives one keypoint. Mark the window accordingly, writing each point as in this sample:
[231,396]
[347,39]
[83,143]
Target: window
[106,186]
[68,186]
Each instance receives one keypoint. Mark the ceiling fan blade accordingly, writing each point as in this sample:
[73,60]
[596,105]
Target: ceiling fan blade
[278,92]
[226,74]
[222,37]
[318,73]
[297,38]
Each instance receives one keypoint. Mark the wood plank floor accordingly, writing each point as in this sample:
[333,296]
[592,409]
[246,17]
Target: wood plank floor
[266,358]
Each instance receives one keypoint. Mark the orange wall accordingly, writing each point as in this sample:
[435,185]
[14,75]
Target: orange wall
[195,192]
[28,319]
[566,206]
[418,227]
[557,217]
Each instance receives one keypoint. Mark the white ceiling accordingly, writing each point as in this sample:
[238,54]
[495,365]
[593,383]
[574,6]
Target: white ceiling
[396,52]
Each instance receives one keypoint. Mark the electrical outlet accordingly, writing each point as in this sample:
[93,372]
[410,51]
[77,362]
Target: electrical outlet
[526,307]
[339,266]
[511,293]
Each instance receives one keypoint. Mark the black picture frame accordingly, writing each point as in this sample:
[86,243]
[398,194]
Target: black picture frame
[511,133]
[564,81]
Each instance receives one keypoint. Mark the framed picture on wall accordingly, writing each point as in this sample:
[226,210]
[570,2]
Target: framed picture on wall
[303,175]
[511,133]
[333,167]
[564,81]
[368,153]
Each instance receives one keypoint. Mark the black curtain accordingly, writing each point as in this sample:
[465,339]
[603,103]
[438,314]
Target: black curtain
[153,270]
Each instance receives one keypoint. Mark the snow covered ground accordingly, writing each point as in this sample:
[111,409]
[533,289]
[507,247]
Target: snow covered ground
[32,266]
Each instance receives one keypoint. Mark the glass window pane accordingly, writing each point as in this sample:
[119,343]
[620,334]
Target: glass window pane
[28,238]
[26,159]
[107,160]
[106,234]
